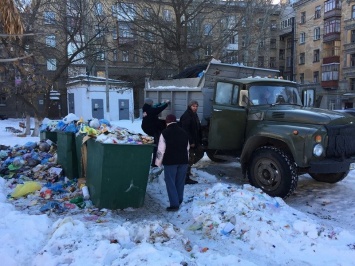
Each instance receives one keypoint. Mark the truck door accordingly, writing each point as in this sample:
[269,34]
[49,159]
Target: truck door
[228,120]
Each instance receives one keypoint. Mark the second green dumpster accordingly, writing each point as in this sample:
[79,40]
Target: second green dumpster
[117,174]
[67,156]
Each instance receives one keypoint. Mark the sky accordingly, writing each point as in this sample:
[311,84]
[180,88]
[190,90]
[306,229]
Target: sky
[220,222]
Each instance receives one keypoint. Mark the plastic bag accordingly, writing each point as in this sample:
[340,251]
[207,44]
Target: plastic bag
[25,189]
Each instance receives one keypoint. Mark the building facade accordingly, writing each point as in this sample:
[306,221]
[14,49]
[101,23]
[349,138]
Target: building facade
[323,50]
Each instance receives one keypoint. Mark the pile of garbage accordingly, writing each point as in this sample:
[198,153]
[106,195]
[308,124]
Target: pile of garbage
[36,180]
[32,174]
[101,130]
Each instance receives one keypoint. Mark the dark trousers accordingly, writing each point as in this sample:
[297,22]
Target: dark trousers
[175,183]
[195,154]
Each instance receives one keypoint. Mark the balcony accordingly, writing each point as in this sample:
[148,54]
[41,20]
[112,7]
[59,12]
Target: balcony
[330,84]
[333,36]
[349,24]
[332,13]
[331,59]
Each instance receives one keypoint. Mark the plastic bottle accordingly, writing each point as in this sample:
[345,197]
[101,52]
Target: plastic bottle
[85,191]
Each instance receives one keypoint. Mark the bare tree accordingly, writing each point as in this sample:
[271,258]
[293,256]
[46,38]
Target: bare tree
[58,34]
[177,33]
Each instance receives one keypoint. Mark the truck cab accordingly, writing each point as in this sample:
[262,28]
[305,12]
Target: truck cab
[262,123]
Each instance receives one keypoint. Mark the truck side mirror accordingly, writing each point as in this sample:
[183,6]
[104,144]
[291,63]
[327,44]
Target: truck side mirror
[243,98]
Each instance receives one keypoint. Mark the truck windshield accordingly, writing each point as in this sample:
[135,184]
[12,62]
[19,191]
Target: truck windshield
[271,94]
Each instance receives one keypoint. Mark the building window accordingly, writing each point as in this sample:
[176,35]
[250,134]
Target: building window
[149,36]
[272,62]
[167,15]
[208,51]
[273,43]
[288,61]
[125,31]
[316,77]
[316,54]
[135,56]
[282,54]
[353,12]
[260,61]
[303,17]
[50,41]
[352,60]
[52,64]
[332,26]
[244,41]
[302,78]
[316,34]
[114,33]
[317,11]
[99,31]
[233,39]
[115,55]
[352,84]
[207,29]
[124,56]
[289,43]
[49,17]
[148,58]
[302,58]
[302,37]
[261,44]
[331,5]
[100,56]
[147,13]
[273,25]
[330,72]
[126,12]
[98,9]
[352,36]
[2,100]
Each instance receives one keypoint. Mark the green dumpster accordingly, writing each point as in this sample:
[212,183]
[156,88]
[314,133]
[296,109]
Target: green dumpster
[117,174]
[78,144]
[66,153]
[48,135]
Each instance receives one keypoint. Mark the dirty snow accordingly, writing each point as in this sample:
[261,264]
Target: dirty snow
[220,222]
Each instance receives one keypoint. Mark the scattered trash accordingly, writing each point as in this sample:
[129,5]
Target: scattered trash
[25,189]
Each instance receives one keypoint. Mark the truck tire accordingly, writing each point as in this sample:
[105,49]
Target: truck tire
[211,155]
[273,171]
[329,178]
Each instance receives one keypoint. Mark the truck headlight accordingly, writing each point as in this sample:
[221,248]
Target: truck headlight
[318,150]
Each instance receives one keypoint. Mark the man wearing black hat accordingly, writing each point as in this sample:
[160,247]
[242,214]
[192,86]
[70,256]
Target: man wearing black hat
[173,153]
[151,124]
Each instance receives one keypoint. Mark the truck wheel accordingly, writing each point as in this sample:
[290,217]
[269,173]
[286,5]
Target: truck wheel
[273,171]
[329,178]
[211,155]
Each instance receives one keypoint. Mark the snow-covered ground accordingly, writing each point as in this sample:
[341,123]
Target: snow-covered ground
[221,222]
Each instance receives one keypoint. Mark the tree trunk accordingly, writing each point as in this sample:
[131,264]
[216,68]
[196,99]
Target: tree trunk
[35,132]
[28,125]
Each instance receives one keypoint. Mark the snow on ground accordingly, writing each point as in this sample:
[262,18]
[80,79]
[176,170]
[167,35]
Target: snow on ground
[219,223]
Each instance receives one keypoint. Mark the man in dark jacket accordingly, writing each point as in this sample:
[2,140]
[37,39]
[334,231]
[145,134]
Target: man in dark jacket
[151,124]
[173,152]
[190,122]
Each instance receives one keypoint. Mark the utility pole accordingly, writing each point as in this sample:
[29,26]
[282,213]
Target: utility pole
[107,87]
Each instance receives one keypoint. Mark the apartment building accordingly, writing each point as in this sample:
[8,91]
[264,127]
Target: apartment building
[323,51]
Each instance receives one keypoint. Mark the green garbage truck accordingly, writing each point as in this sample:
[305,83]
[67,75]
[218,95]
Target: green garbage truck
[263,123]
